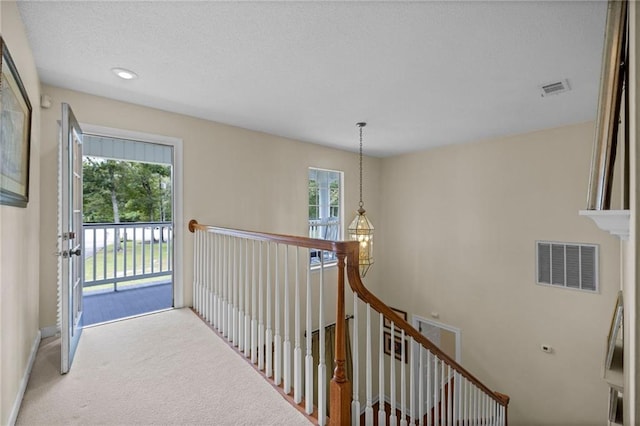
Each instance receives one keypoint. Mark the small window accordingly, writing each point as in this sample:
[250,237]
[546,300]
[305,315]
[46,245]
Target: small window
[325,209]
[567,265]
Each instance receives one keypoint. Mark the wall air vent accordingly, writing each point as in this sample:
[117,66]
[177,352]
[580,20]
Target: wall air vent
[555,88]
[567,265]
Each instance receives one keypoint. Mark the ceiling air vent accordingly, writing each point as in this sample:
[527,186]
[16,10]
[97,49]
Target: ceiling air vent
[555,88]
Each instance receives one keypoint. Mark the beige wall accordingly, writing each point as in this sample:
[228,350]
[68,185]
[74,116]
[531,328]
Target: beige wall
[457,237]
[19,238]
[232,177]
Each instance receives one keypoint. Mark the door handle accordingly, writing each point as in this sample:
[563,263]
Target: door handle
[68,253]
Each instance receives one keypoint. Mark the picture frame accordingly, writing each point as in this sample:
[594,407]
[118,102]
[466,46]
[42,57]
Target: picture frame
[614,328]
[397,347]
[15,133]
[615,406]
[402,314]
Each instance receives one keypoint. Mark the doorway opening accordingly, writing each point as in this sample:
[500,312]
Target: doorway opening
[447,339]
[128,228]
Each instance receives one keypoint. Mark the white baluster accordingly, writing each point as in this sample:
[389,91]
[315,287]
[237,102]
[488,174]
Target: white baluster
[368,411]
[260,309]
[200,279]
[355,399]
[496,416]
[429,386]
[241,278]
[215,241]
[449,399]
[223,290]
[230,289]
[436,390]
[403,381]
[219,283]
[269,332]
[467,402]
[208,294]
[308,394]
[196,271]
[421,371]
[297,351]
[234,298]
[412,383]
[287,317]
[476,405]
[470,408]
[443,412]
[254,306]
[200,276]
[456,388]
[382,418]
[486,408]
[247,302]
[277,377]
[322,368]
[393,418]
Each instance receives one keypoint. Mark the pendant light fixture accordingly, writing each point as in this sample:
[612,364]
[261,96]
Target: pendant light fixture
[361,229]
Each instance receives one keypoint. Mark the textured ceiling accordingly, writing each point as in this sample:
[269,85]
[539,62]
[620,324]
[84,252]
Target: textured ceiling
[422,74]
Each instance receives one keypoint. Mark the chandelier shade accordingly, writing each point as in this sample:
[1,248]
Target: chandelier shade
[361,228]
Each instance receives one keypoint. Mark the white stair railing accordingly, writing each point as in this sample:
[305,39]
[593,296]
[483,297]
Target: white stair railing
[239,276]
[417,383]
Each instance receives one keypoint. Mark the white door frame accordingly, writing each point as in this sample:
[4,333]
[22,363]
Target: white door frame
[178,215]
[415,322]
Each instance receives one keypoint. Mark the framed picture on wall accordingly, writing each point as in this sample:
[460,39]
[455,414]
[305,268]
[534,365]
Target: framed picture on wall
[15,133]
[614,328]
[395,346]
[401,314]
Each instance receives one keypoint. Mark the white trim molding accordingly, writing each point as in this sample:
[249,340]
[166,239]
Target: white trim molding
[13,416]
[49,331]
[180,226]
[615,222]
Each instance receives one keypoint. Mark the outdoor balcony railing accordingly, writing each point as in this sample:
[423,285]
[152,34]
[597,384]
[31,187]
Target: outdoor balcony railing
[126,254]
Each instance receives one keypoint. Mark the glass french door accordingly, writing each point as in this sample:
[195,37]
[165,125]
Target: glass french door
[71,265]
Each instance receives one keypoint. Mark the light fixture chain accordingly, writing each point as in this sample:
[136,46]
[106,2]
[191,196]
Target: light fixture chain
[361,204]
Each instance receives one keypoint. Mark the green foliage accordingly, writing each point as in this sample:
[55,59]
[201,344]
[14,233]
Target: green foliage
[124,191]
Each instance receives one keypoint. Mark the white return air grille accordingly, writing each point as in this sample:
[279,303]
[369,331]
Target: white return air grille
[567,265]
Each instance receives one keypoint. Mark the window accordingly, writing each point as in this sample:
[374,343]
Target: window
[325,209]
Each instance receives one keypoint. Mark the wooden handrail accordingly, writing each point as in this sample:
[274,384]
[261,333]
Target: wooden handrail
[365,295]
[349,250]
[312,243]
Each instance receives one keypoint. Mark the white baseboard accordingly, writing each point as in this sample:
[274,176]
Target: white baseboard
[25,379]
[50,331]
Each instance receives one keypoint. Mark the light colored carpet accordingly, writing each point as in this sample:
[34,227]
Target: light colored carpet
[165,368]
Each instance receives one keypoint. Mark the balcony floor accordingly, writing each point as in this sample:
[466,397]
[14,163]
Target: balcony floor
[108,306]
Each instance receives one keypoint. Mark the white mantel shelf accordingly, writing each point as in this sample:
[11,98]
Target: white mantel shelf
[616,222]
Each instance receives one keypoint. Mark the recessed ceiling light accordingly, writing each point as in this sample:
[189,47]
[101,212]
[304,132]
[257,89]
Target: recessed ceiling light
[124,74]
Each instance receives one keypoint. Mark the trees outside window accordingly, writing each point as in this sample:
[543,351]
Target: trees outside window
[124,191]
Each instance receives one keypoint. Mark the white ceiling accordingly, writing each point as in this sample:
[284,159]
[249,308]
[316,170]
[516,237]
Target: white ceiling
[422,74]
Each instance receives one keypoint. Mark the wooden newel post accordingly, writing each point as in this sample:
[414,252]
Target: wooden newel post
[340,387]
